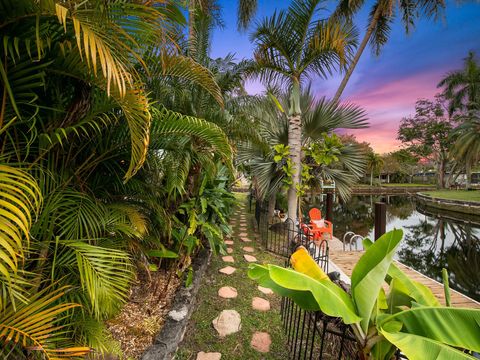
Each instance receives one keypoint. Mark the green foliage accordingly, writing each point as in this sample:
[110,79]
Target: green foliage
[407,316]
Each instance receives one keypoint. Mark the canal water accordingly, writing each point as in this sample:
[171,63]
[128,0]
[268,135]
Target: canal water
[433,239]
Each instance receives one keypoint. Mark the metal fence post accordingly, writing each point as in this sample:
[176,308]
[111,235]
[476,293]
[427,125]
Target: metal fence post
[329,216]
[380,219]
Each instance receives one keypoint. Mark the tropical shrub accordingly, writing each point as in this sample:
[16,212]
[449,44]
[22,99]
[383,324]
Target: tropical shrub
[407,316]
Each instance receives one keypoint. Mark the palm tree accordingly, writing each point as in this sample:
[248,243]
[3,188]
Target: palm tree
[374,164]
[382,16]
[462,87]
[320,117]
[290,47]
[467,145]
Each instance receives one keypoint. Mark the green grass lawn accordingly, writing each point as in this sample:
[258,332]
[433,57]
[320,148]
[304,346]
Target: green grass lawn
[464,195]
[200,334]
[406,185]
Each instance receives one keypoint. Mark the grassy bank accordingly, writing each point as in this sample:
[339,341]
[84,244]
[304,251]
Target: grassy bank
[461,195]
[200,334]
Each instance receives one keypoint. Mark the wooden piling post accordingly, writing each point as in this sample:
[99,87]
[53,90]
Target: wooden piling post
[329,215]
[380,219]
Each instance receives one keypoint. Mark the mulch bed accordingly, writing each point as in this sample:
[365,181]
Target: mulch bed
[143,315]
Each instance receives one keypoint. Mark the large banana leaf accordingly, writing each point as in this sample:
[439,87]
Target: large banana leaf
[418,292]
[307,292]
[19,197]
[453,326]
[421,348]
[369,274]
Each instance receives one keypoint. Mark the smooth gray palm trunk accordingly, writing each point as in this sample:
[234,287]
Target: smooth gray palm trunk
[295,144]
[359,53]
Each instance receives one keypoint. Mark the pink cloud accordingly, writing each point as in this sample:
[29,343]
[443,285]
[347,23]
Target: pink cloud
[386,104]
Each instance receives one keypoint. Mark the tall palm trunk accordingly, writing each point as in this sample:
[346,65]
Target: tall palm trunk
[271,206]
[295,144]
[363,44]
[468,174]
[371,178]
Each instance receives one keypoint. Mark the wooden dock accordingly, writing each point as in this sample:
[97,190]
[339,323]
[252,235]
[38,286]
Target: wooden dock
[346,260]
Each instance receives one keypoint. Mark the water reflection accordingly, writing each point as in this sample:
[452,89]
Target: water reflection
[433,239]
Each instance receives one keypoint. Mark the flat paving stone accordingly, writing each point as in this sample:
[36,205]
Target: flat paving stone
[244,239]
[229,250]
[228,259]
[261,342]
[227,292]
[242,234]
[228,242]
[248,249]
[228,270]
[260,304]
[265,290]
[209,356]
[249,258]
[228,322]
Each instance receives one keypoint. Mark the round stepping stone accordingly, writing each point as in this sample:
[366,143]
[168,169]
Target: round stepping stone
[209,356]
[261,341]
[228,322]
[229,250]
[244,239]
[228,259]
[243,234]
[248,249]
[229,270]
[260,304]
[265,290]
[228,242]
[227,292]
[249,258]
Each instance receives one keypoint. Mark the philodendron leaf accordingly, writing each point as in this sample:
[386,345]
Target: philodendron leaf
[305,291]
[370,271]
[453,326]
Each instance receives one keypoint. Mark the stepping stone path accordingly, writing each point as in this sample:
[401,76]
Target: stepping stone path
[227,292]
[249,258]
[261,341]
[209,356]
[229,270]
[228,322]
[228,242]
[265,290]
[228,259]
[260,304]
[229,250]
[248,249]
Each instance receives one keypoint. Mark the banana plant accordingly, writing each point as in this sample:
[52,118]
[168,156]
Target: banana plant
[406,316]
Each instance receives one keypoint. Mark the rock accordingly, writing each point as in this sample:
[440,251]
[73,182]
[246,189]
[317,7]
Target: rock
[229,270]
[227,292]
[228,242]
[244,239]
[209,356]
[228,259]
[265,290]
[260,304]
[228,322]
[178,315]
[248,249]
[243,234]
[250,258]
[229,250]
[261,341]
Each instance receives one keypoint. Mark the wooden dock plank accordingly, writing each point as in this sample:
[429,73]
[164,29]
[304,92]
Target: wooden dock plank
[346,261]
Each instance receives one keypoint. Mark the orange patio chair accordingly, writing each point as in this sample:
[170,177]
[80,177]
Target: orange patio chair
[319,226]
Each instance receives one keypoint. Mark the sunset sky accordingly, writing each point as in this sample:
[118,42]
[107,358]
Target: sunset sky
[387,86]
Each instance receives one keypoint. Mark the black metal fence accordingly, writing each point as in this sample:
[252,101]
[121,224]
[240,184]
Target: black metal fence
[310,334]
